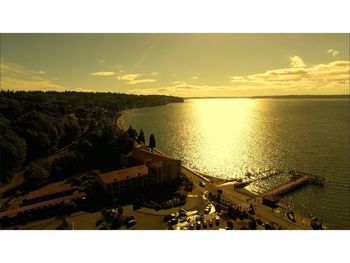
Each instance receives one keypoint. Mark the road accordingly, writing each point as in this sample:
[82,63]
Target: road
[264,213]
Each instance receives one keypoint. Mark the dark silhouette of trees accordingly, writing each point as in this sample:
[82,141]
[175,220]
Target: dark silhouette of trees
[141,138]
[37,124]
[152,141]
[13,150]
[35,174]
[132,133]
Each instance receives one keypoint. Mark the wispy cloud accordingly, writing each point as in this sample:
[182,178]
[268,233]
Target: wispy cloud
[333,52]
[154,73]
[18,77]
[103,73]
[129,77]
[132,79]
[195,77]
[331,78]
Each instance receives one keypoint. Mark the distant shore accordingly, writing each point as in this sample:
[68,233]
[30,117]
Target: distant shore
[342,96]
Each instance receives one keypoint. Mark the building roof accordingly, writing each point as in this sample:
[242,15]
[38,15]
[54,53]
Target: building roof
[51,190]
[156,164]
[144,155]
[15,211]
[123,174]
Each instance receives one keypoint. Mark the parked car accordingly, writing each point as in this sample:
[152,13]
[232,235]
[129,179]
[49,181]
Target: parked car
[217,221]
[128,219]
[205,224]
[131,223]
[182,219]
[168,217]
[182,212]
[173,221]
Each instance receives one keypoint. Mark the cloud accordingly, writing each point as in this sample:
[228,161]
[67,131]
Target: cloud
[195,77]
[101,61]
[103,73]
[129,77]
[333,52]
[296,62]
[139,81]
[42,72]
[84,90]
[132,79]
[154,73]
[18,77]
[329,78]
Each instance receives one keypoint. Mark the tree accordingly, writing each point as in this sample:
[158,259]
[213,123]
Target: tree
[35,173]
[132,133]
[120,210]
[152,141]
[13,151]
[141,137]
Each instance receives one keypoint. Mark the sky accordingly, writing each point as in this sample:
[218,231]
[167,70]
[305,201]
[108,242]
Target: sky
[186,65]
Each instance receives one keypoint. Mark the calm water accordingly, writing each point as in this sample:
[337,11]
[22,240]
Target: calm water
[228,137]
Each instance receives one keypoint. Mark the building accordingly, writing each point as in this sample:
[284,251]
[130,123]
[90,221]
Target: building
[50,192]
[124,180]
[150,168]
[161,168]
[40,207]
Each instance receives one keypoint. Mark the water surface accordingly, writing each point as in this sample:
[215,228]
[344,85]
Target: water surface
[228,137]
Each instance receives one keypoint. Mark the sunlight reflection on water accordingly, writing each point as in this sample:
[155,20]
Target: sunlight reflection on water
[229,137]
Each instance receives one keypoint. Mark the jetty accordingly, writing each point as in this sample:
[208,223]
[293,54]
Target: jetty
[298,179]
[256,177]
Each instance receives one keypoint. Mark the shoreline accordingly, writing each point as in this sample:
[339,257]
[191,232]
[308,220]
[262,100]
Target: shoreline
[120,120]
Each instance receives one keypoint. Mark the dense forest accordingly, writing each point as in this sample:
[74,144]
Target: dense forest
[49,135]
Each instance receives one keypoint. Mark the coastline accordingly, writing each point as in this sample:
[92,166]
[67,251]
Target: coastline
[120,120]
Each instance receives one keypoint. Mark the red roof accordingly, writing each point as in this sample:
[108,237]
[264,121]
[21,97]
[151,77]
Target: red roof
[124,174]
[51,190]
[17,210]
[144,155]
[156,164]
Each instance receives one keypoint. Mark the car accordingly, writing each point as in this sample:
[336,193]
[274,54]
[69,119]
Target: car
[169,217]
[211,223]
[174,221]
[182,219]
[182,212]
[128,219]
[205,224]
[202,184]
[131,223]
[217,221]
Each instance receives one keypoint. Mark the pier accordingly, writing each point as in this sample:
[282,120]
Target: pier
[298,179]
[256,177]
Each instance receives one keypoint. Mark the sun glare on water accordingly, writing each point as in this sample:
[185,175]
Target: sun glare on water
[223,128]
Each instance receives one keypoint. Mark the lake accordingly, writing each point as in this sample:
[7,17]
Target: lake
[227,138]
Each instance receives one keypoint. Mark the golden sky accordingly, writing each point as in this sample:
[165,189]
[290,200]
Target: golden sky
[187,65]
